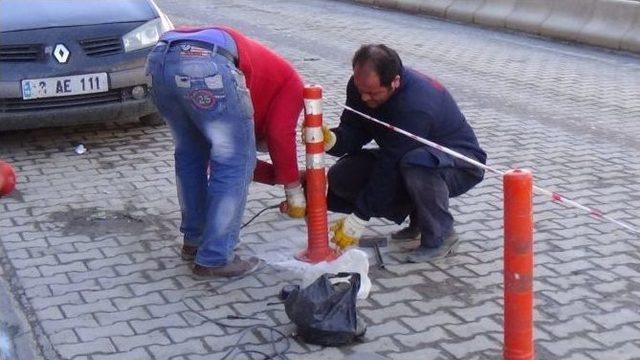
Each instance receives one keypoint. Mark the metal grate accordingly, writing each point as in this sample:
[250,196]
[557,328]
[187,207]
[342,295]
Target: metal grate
[102,46]
[29,52]
[16,105]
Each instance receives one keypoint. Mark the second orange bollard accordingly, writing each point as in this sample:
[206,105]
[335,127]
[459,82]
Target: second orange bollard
[518,265]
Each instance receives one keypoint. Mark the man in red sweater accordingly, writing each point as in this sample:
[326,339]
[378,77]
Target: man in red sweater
[222,93]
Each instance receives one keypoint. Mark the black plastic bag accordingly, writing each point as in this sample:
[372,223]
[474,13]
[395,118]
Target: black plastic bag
[325,311]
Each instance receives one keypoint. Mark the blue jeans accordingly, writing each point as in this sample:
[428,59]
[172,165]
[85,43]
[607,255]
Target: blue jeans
[205,101]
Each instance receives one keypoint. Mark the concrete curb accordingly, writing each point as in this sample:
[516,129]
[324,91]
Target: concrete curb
[613,24]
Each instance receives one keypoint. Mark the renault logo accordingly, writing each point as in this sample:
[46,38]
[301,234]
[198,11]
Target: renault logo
[61,53]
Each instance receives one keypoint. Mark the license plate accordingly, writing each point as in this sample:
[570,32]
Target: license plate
[64,86]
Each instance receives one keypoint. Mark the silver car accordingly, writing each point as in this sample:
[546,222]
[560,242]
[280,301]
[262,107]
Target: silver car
[76,61]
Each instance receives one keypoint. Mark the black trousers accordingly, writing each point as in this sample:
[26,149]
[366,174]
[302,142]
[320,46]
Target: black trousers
[423,191]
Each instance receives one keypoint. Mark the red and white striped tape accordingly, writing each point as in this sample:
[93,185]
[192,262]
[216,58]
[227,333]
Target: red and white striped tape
[555,197]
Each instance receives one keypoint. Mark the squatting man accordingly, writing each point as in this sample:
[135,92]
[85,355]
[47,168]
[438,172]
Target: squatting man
[402,177]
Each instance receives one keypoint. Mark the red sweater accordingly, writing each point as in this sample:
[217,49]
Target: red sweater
[276,94]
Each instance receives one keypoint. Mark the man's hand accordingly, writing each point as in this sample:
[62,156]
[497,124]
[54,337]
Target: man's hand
[328,137]
[347,231]
[297,204]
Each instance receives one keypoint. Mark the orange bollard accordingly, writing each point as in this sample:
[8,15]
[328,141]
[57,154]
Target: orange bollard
[316,181]
[518,265]
[7,179]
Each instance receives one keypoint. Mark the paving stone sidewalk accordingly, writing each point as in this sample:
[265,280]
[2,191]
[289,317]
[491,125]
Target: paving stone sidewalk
[89,243]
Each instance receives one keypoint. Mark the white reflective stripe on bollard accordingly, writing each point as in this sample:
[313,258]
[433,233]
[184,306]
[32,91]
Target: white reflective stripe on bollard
[315,161]
[313,106]
[313,135]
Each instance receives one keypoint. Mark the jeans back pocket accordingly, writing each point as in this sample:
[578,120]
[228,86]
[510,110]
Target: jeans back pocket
[244,94]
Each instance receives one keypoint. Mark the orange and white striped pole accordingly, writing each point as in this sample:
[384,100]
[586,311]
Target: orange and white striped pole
[518,265]
[318,248]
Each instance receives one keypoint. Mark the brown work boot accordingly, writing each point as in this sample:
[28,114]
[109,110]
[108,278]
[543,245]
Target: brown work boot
[237,267]
[188,252]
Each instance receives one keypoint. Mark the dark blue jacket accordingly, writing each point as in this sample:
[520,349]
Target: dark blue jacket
[421,106]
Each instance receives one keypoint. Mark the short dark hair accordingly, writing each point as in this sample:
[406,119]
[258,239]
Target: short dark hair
[385,61]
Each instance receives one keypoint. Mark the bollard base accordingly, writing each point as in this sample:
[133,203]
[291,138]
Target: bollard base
[518,355]
[317,256]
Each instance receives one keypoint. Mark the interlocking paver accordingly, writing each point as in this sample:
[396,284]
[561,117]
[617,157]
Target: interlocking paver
[431,336]
[111,282]
[484,325]
[133,354]
[91,284]
[563,329]
[624,334]
[43,303]
[90,334]
[424,353]
[562,347]
[54,326]
[391,327]
[382,344]
[51,313]
[179,335]
[109,318]
[64,337]
[609,321]
[166,309]
[68,351]
[84,255]
[567,112]
[422,323]
[400,282]
[400,295]
[475,312]
[144,326]
[127,343]
[377,316]
[627,351]
[466,349]
[94,295]
[109,262]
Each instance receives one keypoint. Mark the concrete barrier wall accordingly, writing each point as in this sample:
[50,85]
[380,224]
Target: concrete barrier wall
[494,12]
[631,40]
[602,31]
[463,10]
[528,15]
[567,18]
[613,24]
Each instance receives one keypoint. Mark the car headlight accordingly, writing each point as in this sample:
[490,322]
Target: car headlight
[146,34]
